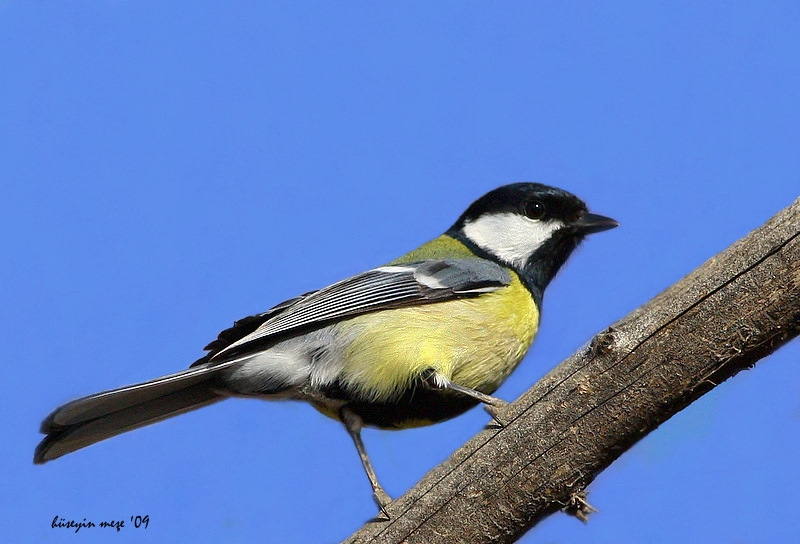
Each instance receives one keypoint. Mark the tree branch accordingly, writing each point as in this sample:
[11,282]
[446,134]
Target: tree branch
[736,308]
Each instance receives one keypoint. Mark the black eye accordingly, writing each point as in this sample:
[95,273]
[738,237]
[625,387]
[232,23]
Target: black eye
[534,209]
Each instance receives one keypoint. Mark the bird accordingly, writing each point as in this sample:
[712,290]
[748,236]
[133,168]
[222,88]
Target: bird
[414,342]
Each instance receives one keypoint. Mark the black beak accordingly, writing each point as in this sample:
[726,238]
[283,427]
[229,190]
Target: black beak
[591,223]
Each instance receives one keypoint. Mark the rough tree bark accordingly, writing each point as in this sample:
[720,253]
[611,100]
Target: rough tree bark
[736,308]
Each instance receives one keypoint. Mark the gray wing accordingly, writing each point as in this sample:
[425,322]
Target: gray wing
[392,286]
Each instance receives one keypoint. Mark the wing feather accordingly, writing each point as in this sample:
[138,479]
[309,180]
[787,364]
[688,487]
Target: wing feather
[415,283]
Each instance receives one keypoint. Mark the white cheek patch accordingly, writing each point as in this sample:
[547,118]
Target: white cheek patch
[510,236]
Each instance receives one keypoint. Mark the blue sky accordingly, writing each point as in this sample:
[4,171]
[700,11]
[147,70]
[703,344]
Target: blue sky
[169,167]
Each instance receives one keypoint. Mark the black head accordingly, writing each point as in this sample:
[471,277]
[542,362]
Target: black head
[529,227]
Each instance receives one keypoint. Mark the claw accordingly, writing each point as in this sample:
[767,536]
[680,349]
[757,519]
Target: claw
[494,410]
[382,499]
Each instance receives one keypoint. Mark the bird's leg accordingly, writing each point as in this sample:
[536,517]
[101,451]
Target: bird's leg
[353,424]
[491,404]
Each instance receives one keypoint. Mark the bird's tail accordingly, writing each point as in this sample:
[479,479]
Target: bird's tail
[91,419]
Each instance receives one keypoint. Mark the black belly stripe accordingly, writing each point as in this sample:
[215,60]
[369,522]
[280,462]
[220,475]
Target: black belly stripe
[416,407]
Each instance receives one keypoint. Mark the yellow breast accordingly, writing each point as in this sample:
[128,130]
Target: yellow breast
[475,342]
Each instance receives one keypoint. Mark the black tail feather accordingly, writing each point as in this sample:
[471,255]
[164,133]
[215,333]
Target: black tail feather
[94,418]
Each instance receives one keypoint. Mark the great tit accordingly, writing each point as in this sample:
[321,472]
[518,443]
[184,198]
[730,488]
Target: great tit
[419,340]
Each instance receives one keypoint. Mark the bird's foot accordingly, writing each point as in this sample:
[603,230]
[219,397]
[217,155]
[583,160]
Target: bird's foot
[382,499]
[494,410]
